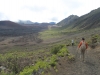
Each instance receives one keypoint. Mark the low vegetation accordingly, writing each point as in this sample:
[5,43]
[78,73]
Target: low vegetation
[95,38]
[26,63]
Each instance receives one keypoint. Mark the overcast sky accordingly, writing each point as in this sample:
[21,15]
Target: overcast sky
[45,10]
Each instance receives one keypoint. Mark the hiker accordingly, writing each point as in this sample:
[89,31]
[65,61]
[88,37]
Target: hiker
[82,46]
[72,42]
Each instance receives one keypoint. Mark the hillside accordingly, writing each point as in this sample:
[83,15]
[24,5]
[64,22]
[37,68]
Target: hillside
[37,59]
[90,20]
[68,20]
[87,21]
[9,25]
[9,28]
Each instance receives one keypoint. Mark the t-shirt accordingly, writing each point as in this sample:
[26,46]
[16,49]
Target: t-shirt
[72,41]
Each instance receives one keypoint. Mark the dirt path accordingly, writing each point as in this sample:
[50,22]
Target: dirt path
[91,66]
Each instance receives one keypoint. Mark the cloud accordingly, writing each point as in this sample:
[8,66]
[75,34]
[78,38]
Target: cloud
[45,10]
[54,19]
[3,16]
[72,4]
[34,8]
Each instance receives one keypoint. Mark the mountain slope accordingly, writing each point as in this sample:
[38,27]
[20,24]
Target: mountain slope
[9,28]
[68,20]
[90,20]
[10,25]
[87,21]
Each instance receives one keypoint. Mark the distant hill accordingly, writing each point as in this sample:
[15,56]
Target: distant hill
[9,28]
[28,22]
[87,21]
[68,20]
[10,25]
[25,22]
[52,23]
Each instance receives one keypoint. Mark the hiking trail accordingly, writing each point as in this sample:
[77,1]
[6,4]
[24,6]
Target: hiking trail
[91,66]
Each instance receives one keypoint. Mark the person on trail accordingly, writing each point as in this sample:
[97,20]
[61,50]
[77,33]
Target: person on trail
[82,46]
[72,42]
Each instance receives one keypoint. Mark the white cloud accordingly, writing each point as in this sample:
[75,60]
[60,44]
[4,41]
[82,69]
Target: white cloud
[2,16]
[45,10]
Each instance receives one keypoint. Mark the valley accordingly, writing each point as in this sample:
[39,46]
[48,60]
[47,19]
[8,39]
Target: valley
[37,50]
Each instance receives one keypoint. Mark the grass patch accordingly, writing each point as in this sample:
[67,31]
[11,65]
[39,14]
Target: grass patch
[54,33]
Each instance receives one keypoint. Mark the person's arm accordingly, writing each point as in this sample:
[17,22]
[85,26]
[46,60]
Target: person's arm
[86,48]
[86,45]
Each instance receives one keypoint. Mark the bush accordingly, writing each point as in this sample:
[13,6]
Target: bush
[53,60]
[4,73]
[56,49]
[94,40]
[63,52]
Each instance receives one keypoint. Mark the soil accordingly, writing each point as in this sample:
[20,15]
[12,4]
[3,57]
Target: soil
[91,66]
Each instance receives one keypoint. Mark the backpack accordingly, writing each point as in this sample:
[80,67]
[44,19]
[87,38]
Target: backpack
[83,46]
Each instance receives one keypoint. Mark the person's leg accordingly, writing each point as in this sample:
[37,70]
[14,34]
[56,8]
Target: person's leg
[72,44]
[83,55]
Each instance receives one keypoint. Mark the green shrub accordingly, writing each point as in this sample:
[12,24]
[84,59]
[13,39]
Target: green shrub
[5,73]
[53,60]
[56,49]
[94,40]
[43,65]
[62,52]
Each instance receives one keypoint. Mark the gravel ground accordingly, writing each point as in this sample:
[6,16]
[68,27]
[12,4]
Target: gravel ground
[91,66]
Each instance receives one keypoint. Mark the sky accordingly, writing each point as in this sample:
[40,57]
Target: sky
[45,10]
